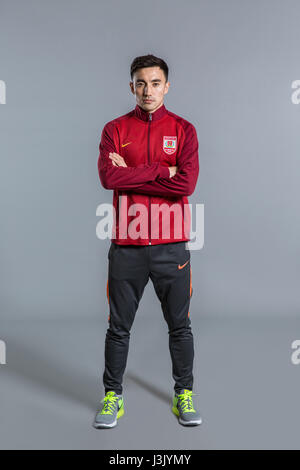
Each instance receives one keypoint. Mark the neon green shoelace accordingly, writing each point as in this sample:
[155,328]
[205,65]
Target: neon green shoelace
[109,404]
[186,401]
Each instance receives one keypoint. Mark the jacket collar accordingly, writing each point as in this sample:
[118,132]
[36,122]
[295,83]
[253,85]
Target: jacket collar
[140,113]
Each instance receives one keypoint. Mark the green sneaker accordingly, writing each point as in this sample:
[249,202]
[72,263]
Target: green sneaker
[184,409]
[112,409]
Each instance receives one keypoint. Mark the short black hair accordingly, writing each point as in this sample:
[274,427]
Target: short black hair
[148,60]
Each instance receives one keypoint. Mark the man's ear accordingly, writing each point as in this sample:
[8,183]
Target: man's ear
[131,87]
[166,88]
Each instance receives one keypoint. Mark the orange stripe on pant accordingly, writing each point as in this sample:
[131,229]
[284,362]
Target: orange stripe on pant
[191,287]
[107,295]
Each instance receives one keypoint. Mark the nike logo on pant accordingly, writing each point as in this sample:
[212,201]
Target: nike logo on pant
[180,267]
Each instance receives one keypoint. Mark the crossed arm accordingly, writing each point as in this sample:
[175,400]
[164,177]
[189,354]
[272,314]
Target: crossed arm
[123,177]
[153,179]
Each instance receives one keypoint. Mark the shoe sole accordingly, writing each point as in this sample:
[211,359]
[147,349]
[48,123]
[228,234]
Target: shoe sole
[194,422]
[110,425]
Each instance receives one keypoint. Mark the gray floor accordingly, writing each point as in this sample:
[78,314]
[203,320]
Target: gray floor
[248,388]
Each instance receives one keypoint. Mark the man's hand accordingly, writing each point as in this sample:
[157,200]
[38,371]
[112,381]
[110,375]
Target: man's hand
[172,170]
[117,160]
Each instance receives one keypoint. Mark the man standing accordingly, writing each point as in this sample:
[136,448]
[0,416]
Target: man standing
[149,158]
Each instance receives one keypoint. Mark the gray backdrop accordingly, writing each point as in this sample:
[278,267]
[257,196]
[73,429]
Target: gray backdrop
[66,69]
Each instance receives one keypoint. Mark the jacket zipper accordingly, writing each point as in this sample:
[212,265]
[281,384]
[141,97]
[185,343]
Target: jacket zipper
[149,197]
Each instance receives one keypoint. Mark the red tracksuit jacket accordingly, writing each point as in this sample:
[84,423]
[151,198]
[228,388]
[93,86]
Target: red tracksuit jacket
[150,207]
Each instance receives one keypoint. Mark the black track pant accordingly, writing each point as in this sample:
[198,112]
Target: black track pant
[129,268]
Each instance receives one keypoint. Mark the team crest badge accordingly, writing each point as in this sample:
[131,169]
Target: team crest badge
[170,144]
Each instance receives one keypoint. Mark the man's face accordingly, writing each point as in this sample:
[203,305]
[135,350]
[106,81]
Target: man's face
[149,83]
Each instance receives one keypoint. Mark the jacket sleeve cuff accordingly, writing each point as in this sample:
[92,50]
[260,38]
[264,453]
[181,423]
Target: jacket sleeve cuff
[164,172]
